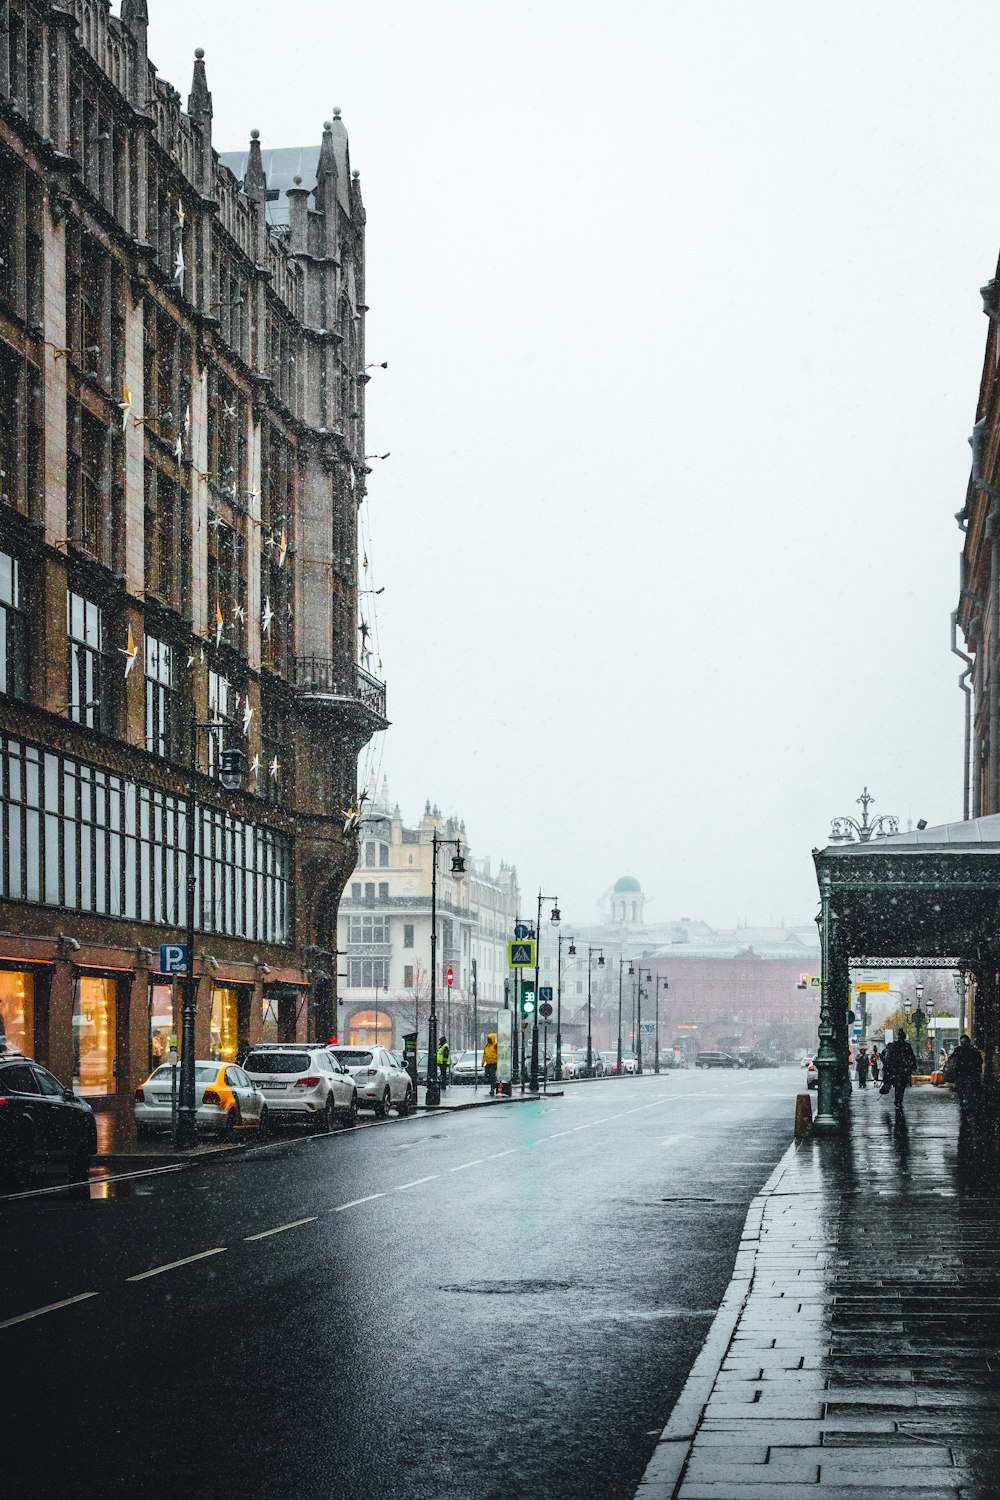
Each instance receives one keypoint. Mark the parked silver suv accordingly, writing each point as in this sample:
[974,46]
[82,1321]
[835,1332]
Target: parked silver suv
[381,1082]
[303,1081]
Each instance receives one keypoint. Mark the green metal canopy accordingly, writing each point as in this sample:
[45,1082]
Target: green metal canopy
[927,898]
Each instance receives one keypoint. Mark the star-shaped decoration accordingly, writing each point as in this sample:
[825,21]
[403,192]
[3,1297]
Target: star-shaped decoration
[130,651]
[191,660]
[178,447]
[179,266]
[220,624]
[255,765]
[228,411]
[363,627]
[187,420]
[247,716]
[282,548]
[274,768]
[267,616]
[215,520]
[181,216]
[125,404]
[240,613]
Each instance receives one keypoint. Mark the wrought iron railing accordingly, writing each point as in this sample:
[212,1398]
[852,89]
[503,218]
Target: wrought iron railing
[321,677]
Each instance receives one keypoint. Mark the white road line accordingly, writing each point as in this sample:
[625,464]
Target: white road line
[355,1201]
[502,1153]
[51,1307]
[266,1233]
[670,1140]
[404,1185]
[478,1163]
[173,1264]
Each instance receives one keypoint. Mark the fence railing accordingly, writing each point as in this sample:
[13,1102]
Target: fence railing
[321,677]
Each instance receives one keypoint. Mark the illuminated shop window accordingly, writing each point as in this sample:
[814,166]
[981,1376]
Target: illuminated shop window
[225,1009]
[95,1056]
[17,1010]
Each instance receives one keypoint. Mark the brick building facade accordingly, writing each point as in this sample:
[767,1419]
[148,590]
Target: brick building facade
[181,467]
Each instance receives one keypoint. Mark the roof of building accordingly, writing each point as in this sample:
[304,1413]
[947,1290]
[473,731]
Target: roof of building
[282,164]
[968,831]
[627,883]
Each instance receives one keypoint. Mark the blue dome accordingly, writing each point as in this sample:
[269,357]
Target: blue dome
[627,883]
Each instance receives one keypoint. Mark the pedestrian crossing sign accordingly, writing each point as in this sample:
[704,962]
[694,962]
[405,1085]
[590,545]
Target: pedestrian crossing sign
[521,954]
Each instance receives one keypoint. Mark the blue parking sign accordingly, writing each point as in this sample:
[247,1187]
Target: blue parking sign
[173,958]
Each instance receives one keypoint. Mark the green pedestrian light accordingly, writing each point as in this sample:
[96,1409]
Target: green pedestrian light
[528,999]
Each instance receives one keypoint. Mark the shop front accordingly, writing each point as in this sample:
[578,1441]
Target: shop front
[370,1028]
[95,1035]
[17,1010]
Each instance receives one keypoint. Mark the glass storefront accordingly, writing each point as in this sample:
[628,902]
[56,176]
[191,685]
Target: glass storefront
[370,1028]
[95,1054]
[161,1022]
[269,1032]
[225,1023]
[17,1010]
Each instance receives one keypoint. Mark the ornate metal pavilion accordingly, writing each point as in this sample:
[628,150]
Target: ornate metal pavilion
[929,898]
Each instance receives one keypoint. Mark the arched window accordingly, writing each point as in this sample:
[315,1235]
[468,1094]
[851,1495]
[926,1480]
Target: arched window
[370,1028]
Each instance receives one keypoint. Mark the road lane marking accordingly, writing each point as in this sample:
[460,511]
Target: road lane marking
[266,1233]
[173,1264]
[477,1163]
[404,1185]
[670,1140]
[50,1307]
[355,1201]
[502,1153]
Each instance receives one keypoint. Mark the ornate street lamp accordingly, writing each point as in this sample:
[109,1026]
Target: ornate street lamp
[433,1094]
[590,970]
[533,1083]
[571,950]
[232,775]
[848,830]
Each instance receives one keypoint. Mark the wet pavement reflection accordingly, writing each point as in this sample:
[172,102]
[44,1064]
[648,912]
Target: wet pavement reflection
[866,1357]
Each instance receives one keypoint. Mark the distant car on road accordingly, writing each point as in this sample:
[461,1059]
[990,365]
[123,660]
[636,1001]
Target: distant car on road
[812,1076]
[610,1060]
[466,1068]
[226,1100]
[750,1058]
[717,1060]
[40,1120]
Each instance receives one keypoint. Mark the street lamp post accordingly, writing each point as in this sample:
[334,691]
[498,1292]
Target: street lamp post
[847,830]
[621,967]
[919,1018]
[533,1084]
[433,1095]
[666,986]
[638,1018]
[571,950]
[590,970]
[232,774]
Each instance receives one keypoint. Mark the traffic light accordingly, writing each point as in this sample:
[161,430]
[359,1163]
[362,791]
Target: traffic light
[528,1000]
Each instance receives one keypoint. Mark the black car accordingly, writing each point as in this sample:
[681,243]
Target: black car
[717,1060]
[40,1120]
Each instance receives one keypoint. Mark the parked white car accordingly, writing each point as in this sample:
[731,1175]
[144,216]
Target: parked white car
[381,1083]
[303,1082]
[226,1100]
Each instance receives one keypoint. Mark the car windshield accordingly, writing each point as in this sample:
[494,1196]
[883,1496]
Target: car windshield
[468,1057]
[277,1062]
[203,1073]
[354,1059]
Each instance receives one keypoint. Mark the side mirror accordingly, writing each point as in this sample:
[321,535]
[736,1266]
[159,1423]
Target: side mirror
[68,1094]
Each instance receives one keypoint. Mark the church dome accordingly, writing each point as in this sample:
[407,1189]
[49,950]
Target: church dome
[627,883]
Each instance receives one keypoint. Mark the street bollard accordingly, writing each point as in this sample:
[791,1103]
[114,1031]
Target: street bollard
[803,1117]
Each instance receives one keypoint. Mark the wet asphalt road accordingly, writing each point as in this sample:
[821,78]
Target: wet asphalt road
[503,1302]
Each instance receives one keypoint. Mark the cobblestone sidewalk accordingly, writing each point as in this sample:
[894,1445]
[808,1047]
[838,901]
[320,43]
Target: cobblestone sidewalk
[858,1348]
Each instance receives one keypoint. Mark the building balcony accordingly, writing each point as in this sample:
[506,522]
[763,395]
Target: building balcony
[345,685]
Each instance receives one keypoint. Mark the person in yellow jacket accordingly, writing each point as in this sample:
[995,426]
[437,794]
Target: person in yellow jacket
[490,1061]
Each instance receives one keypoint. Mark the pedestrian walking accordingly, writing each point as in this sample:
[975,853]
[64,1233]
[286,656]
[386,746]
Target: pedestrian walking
[861,1068]
[900,1064]
[444,1062]
[490,1062]
[875,1062]
[967,1070]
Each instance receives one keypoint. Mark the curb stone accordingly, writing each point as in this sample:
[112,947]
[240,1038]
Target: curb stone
[666,1467]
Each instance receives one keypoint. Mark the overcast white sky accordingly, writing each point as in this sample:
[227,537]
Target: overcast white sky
[680,304]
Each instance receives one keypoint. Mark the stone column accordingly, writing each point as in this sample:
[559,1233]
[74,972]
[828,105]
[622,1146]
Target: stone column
[61,1021]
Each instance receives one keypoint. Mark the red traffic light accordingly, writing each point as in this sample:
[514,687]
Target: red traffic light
[450,976]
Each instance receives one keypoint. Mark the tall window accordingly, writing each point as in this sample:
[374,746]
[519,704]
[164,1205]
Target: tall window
[162,535]
[161,699]
[21,438]
[84,631]
[277,764]
[223,701]
[13,634]
[407,934]
[368,929]
[368,973]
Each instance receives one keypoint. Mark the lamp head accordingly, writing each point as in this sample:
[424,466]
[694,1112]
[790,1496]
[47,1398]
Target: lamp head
[556,916]
[571,950]
[458,866]
[600,960]
[232,769]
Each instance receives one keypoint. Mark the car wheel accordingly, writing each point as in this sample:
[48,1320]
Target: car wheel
[229,1128]
[328,1116]
[263,1124]
[351,1113]
[405,1107]
[382,1109]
